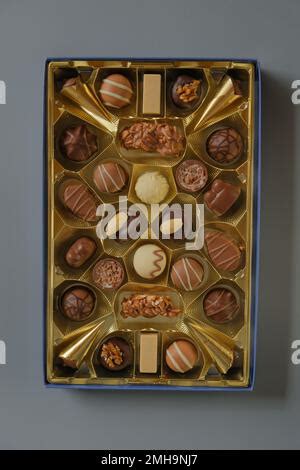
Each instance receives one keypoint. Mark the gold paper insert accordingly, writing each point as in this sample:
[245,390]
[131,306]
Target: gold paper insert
[222,104]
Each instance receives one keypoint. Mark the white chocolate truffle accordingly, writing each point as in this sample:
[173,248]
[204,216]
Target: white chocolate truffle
[151,187]
[149,261]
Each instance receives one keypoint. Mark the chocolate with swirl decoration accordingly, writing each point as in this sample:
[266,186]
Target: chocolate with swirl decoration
[79,200]
[224,251]
[149,261]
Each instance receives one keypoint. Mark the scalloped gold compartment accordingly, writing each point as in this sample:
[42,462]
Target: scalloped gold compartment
[64,324]
[237,210]
[67,216]
[64,240]
[158,322]
[149,158]
[110,154]
[67,121]
[198,141]
[224,349]
[230,328]
[129,110]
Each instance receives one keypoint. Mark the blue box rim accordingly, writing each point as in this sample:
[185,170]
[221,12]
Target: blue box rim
[255,244]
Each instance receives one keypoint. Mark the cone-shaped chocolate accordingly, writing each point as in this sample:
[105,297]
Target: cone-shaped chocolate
[220,103]
[74,348]
[219,346]
[79,100]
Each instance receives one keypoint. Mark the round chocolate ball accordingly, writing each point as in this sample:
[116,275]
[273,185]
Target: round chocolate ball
[115,354]
[78,143]
[181,356]
[151,187]
[187,273]
[149,261]
[191,175]
[186,92]
[78,303]
[110,177]
[116,91]
[225,145]
[80,251]
[220,305]
[108,273]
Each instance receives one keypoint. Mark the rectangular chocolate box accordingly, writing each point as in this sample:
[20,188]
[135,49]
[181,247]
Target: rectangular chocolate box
[152,170]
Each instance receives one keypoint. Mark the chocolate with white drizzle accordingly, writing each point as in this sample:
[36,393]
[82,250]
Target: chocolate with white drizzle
[79,200]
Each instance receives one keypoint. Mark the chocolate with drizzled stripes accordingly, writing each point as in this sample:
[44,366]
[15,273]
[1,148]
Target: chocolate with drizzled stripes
[80,201]
[224,252]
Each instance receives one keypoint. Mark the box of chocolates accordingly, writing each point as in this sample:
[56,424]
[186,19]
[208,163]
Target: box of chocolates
[152,169]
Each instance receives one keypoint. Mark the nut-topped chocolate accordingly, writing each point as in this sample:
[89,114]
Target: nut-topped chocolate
[186,92]
[152,136]
[115,354]
[148,306]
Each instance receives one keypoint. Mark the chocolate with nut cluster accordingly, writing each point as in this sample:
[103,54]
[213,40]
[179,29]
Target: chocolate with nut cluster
[115,354]
[186,92]
[152,136]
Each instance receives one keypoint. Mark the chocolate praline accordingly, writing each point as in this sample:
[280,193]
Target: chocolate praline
[78,303]
[78,143]
[80,251]
[187,273]
[108,273]
[115,353]
[77,197]
[225,145]
[186,92]
[220,305]
[191,175]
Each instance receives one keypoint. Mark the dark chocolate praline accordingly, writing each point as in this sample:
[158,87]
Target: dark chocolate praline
[185,92]
[115,354]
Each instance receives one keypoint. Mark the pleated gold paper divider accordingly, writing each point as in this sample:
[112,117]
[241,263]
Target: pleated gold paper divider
[219,346]
[79,100]
[221,103]
[74,348]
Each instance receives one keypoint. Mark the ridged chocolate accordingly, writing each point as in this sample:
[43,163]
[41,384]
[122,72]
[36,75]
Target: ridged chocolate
[78,143]
[223,250]
[80,201]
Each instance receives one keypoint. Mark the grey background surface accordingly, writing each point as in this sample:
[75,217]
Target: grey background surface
[34,417]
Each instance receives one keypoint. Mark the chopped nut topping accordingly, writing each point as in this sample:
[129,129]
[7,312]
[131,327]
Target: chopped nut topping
[112,355]
[148,306]
[188,92]
[153,137]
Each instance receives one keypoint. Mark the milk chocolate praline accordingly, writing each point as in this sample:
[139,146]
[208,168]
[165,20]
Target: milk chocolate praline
[115,353]
[78,143]
[80,251]
[77,197]
[108,273]
[220,305]
[187,273]
[181,356]
[191,175]
[110,177]
[77,303]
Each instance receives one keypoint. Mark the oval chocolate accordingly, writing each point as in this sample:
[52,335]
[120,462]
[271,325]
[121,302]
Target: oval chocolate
[80,251]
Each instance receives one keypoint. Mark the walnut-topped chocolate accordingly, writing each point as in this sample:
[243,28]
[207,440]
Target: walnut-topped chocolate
[148,306]
[186,91]
[115,353]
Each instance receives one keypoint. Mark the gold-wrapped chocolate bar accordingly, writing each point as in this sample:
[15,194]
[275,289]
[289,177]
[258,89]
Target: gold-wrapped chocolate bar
[152,182]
